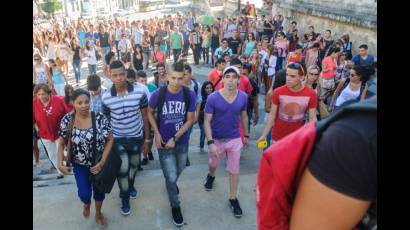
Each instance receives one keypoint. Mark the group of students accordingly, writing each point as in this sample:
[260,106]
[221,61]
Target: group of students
[132,114]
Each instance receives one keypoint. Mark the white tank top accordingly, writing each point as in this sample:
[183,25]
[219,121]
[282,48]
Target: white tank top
[347,95]
[41,75]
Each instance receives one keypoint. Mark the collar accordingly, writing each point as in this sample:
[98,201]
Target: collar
[130,88]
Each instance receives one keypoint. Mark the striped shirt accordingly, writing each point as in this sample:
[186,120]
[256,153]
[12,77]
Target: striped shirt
[124,112]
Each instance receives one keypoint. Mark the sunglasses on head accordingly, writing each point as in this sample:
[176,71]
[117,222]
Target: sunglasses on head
[296,65]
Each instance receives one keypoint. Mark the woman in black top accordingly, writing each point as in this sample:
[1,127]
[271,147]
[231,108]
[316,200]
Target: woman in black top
[206,89]
[137,57]
[215,42]
[75,47]
[76,130]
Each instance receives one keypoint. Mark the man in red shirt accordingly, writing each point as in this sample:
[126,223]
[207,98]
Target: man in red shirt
[48,110]
[290,104]
[215,76]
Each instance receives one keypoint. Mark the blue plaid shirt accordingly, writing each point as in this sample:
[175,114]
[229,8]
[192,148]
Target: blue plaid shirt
[96,102]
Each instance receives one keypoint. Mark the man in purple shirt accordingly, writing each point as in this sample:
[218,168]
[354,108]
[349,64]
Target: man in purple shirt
[176,116]
[223,111]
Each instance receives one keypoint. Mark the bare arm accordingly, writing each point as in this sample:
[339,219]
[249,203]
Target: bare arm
[198,107]
[319,207]
[207,126]
[339,86]
[145,119]
[312,115]
[270,121]
[188,124]
[244,119]
[268,101]
[363,96]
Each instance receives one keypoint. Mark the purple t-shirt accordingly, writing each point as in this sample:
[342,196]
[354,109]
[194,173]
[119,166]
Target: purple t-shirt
[173,113]
[225,116]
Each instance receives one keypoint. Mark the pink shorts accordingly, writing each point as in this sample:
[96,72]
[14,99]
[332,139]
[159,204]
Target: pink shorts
[232,149]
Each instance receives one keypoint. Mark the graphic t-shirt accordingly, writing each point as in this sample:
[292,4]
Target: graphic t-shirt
[173,113]
[234,43]
[225,116]
[292,108]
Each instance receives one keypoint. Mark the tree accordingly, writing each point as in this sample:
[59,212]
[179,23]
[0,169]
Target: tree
[51,6]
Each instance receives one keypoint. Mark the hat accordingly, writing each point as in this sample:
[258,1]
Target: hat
[234,68]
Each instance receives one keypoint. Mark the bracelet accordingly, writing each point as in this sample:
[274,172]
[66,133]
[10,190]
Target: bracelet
[246,136]
[147,140]
[211,142]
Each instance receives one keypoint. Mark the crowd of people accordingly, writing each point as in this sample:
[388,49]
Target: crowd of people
[303,79]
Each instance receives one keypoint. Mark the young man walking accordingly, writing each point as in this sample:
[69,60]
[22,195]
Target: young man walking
[224,110]
[175,106]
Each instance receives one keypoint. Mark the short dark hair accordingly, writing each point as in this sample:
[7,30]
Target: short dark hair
[188,68]
[364,46]
[42,86]
[311,27]
[298,66]
[329,31]
[178,67]
[196,25]
[247,66]
[109,56]
[141,73]
[220,61]
[224,39]
[332,50]
[116,65]
[364,72]
[294,22]
[131,74]
[93,82]
[160,64]
[235,61]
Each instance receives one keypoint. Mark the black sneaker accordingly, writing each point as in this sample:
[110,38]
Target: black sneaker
[150,156]
[139,168]
[177,217]
[236,209]
[208,182]
[187,162]
[144,161]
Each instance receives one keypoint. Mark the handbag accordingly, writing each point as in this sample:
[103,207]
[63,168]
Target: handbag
[328,83]
[105,179]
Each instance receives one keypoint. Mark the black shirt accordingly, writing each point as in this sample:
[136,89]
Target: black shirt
[214,41]
[234,44]
[104,39]
[345,157]
[266,24]
[76,50]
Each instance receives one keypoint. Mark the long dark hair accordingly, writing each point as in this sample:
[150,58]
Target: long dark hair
[280,79]
[67,98]
[203,90]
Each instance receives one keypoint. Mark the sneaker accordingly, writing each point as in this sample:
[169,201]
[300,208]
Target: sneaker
[144,161]
[187,162]
[177,217]
[208,182]
[236,209]
[139,168]
[133,193]
[125,208]
[150,156]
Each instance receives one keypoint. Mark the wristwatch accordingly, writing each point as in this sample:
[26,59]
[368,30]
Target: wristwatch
[211,142]
[175,138]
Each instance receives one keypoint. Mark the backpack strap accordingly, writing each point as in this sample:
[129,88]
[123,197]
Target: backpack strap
[160,103]
[196,87]
[219,80]
[369,105]
[187,100]
[94,145]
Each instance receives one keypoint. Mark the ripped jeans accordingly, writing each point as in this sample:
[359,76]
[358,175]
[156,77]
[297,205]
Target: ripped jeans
[129,149]
[173,162]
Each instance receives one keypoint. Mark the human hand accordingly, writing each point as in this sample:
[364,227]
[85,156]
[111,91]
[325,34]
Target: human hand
[96,168]
[212,149]
[66,170]
[170,143]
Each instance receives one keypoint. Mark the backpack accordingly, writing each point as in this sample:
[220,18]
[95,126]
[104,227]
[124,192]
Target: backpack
[275,197]
[161,101]
[196,86]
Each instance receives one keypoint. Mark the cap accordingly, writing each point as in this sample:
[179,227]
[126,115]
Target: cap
[234,68]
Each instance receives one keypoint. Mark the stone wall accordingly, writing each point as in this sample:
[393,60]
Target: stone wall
[356,18]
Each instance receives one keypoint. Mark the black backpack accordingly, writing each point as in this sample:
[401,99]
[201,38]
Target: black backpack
[161,100]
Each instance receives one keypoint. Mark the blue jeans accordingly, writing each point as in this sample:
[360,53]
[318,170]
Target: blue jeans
[82,178]
[129,150]
[77,69]
[92,69]
[202,136]
[105,51]
[173,162]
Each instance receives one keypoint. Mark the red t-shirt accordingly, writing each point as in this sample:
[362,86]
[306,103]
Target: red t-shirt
[214,77]
[331,66]
[292,108]
[48,118]
[68,107]
[159,56]
[244,84]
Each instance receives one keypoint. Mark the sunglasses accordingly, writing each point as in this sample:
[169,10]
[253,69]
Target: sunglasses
[314,74]
[296,65]
[36,59]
